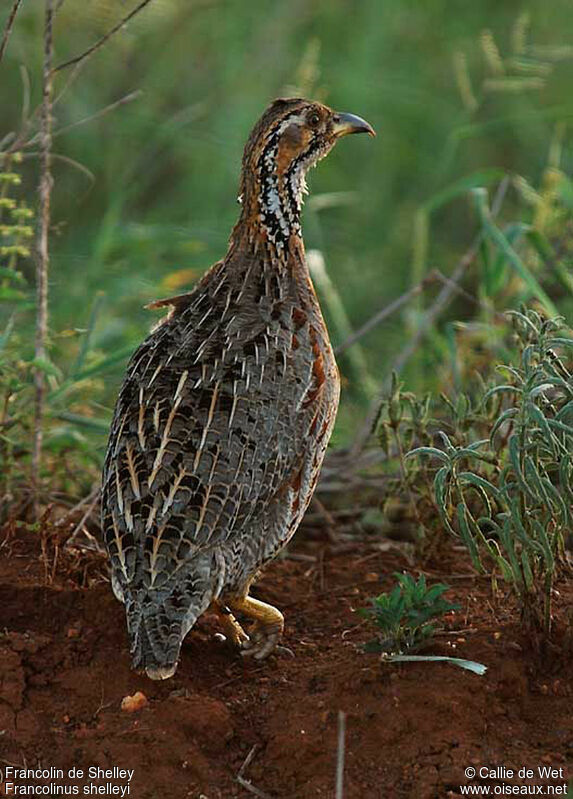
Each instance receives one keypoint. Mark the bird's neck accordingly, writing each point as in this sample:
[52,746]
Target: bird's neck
[271,198]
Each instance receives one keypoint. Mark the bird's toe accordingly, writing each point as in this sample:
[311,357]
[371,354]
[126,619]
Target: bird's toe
[262,642]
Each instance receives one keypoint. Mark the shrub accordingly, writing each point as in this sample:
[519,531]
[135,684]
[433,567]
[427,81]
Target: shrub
[509,496]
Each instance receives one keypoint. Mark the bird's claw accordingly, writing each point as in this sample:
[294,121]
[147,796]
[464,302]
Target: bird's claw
[284,650]
[262,641]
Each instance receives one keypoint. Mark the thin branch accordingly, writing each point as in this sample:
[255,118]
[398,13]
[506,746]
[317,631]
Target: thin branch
[247,784]
[450,287]
[102,112]
[381,315]
[129,98]
[441,302]
[92,497]
[8,27]
[327,518]
[86,515]
[43,252]
[100,42]
[18,143]
[435,276]
[65,160]
[341,751]
[9,137]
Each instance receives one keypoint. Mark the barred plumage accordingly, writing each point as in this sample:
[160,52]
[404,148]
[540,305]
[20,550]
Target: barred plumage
[225,413]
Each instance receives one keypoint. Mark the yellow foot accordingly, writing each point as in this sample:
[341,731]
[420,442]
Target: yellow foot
[267,629]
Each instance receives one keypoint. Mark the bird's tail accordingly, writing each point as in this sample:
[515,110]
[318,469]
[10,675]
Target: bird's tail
[157,626]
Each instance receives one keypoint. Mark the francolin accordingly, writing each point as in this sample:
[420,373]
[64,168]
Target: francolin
[225,412]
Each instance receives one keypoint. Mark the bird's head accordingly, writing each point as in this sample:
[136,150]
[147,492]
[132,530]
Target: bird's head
[290,137]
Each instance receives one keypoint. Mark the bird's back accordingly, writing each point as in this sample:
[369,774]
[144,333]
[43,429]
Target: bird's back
[213,450]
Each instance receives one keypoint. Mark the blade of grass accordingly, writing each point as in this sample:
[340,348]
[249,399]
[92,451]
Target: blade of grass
[84,349]
[469,665]
[498,238]
[98,368]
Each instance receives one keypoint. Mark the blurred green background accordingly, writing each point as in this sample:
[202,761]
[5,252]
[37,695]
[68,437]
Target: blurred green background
[144,198]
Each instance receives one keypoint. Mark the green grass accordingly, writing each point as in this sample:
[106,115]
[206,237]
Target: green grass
[153,203]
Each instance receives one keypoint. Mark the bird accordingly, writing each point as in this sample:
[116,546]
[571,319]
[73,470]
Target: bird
[225,412]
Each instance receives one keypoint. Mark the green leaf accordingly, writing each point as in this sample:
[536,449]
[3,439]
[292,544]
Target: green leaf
[468,538]
[482,177]
[88,422]
[565,471]
[10,294]
[433,452]
[46,366]
[497,276]
[560,426]
[498,390]
[534,480]
[101,367]
[560,341]
[481,482]
[498,238]
[507,539]
[441,490]
[469,665]
[545,251]
[506,416]
[6,333]
[546,546]
[513,448]
[85,345]
[536,414]
[13,275]
[527,572]
[470,453]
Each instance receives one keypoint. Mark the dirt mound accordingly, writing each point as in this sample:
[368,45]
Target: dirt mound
[411,730]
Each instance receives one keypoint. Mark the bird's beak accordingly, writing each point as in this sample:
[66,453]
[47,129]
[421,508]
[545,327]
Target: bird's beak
[349,123]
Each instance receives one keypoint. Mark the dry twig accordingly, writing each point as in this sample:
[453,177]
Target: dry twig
[100,42]
[8,27]
[247,784]
[65,160]
[91,501]
[128,98]
[340,754]
[435,276]
[329,522]
[450,287]
[383,314]
[92,497]
[43,253]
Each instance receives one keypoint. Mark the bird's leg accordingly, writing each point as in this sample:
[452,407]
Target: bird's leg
[267,628]
[233,630]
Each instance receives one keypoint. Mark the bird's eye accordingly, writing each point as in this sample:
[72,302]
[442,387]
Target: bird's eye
[314,120]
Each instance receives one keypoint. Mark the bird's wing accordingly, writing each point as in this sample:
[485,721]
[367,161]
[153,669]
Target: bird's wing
[202,437]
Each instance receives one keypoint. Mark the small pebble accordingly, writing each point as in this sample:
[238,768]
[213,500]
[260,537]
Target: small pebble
[131,704]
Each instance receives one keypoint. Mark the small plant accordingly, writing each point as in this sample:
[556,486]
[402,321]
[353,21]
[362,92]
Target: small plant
[15,381]
[71,457]
[407,423]
[508,496]
[404,616]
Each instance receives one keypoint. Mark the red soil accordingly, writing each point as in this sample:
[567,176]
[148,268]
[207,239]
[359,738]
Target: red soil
[411,729]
